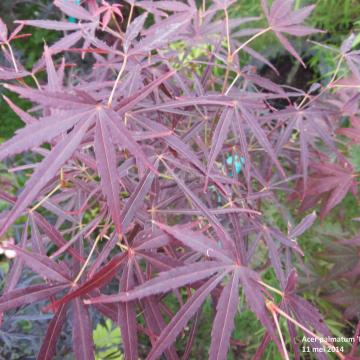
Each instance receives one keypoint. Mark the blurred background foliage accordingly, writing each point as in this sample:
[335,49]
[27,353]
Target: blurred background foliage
[28,50]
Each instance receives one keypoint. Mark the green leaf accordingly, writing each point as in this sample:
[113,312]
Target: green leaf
[107,339]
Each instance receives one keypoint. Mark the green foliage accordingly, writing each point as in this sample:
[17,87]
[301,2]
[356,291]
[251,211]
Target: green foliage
[106,339]
[33,47]
[354,153]
[9,121]
[30,49]
[336,16]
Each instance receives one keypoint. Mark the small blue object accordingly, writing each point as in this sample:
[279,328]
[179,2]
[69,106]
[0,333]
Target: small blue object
[72,19]
[238,163]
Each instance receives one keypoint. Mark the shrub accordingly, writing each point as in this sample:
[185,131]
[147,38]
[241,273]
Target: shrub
[153,168]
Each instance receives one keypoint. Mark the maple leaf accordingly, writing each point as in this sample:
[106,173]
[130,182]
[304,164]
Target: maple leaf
[213,272]
[352,57]
[329,183]
[4,35]
[304,312]
[282,19]
[344,257]
[353,132]
[126,149]
[347,299]
[108,11]
[311,125]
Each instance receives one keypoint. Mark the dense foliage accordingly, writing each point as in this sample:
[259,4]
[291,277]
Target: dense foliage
[151,171]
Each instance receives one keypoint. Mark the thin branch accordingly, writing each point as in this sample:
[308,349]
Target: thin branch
[117,81]
[53,191]
[247,42]
[87,261]
[286,355]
